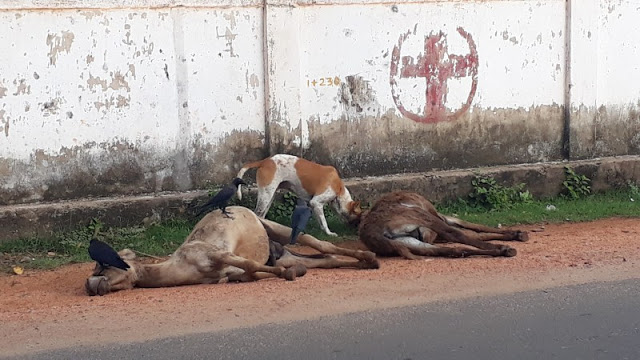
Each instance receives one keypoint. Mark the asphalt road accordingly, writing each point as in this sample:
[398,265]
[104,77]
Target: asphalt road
[593,321]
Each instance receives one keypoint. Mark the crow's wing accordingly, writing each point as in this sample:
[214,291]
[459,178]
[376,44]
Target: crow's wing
[218,200]
[104,254]
[222,197]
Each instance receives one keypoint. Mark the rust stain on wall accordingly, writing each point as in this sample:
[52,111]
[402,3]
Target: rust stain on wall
[59,43]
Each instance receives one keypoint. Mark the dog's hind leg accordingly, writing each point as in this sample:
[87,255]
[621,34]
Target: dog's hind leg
[265,198]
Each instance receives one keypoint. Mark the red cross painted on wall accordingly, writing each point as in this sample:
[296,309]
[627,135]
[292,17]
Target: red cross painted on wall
[437,67]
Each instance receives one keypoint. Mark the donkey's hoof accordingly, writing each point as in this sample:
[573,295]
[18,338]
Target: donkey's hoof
[370,257]
[300,269]
[509,252]
[291,273]
[373,264]
[522,236]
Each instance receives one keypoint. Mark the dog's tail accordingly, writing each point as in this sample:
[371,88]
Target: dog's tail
[255,164]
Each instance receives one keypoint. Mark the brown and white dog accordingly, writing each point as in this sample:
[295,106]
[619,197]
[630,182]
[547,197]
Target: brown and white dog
[315,183]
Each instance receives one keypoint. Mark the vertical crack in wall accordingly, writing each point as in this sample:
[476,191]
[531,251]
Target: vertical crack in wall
[181,174]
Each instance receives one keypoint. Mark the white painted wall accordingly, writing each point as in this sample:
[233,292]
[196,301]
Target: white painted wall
[163,75]
[157,80]
[605,78]
[520,46]
[618,53]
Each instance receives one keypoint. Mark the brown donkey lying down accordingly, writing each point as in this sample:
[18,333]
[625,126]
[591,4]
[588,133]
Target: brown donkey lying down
[220,249]
[406,224]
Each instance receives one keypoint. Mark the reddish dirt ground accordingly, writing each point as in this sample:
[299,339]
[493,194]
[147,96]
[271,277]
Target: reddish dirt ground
[42,310]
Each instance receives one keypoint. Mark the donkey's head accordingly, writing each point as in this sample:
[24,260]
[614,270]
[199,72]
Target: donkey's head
[109,279]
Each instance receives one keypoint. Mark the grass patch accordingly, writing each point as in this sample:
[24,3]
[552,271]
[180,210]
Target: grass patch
[163,239]
[71,247]
[562,209]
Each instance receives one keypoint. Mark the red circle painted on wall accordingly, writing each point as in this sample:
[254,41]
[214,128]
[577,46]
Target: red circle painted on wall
[437,67]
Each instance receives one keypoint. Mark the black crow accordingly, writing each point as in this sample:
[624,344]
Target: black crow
[299,219]
[221,199]
[104,255]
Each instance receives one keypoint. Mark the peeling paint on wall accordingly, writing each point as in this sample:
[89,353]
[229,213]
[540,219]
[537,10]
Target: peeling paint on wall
[356,93]
[22,88]
[106,119]
[58,43]
[5,123]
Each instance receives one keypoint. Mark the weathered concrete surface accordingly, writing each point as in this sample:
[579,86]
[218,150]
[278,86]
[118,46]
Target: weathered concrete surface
[605,79]
[126,100]
[395,145]
[541,179]
[44,219]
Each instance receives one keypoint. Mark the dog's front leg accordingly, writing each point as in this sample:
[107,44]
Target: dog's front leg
[318,211]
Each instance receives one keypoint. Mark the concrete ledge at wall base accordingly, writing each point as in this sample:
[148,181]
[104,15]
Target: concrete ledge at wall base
[20,221]
[543,180]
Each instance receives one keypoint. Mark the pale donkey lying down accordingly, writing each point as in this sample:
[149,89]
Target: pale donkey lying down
[220,249]
[406,224]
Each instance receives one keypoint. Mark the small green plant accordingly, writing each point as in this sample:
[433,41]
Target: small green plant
[282,210]
[575,185]
[489,194]
[634,190]
[95,226]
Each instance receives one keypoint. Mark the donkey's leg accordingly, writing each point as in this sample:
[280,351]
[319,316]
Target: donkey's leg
[483,236]
[416,249]
[259,275]
[328,248]
[504,234]
[323,262]
[452,234]
[280,233]
[250,267]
